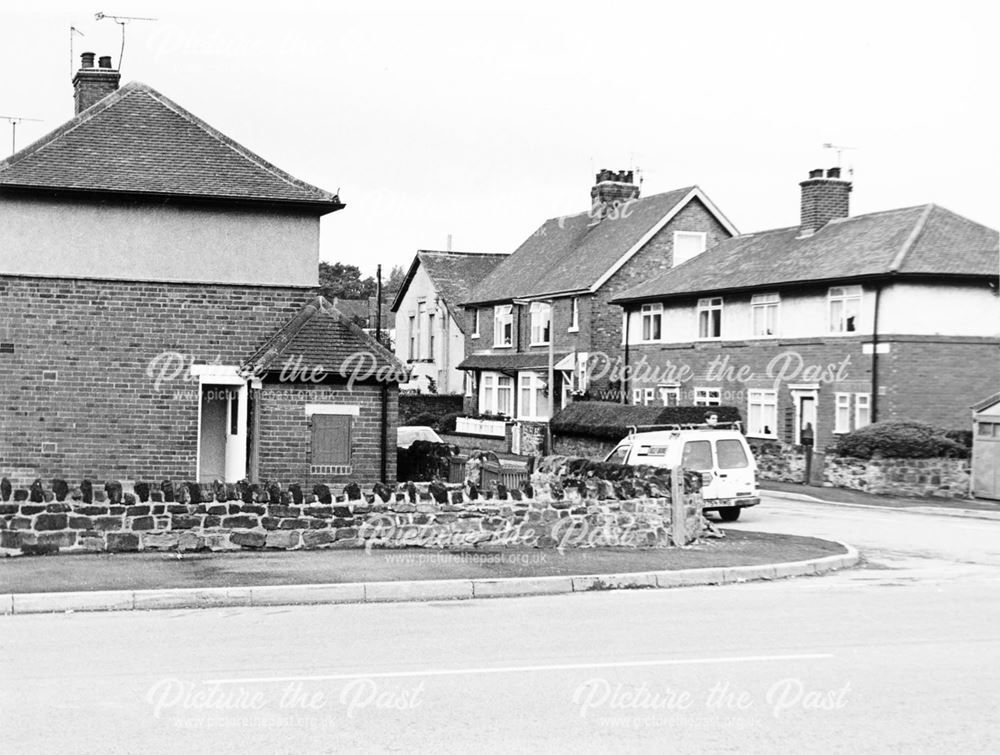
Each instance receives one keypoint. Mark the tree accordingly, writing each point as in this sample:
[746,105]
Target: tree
[344,281]
[391,286]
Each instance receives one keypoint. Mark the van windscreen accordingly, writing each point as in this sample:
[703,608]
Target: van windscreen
[731,454]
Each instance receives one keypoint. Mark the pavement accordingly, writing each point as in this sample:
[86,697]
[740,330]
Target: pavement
[964,507]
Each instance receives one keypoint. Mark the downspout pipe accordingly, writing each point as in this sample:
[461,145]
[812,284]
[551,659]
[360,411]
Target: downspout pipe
[624,380]
[874,390]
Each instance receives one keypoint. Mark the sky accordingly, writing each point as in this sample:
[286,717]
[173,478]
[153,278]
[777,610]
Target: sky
[479,121]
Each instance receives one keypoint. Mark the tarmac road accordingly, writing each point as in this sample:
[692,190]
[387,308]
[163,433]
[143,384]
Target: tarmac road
[898,656]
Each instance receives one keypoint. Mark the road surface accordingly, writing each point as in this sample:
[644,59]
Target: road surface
[897,656]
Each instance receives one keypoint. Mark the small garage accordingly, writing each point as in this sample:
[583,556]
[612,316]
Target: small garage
[986,448]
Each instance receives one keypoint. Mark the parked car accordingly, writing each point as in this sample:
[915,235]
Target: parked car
[718,451]
[407,434]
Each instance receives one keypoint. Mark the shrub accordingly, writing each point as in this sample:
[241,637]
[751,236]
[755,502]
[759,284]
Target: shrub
[423,461]
[426,419]
[912,440]
[447,423]
[602,419]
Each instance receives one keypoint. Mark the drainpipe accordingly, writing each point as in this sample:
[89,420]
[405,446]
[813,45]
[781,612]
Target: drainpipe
[624,381]
[384,462]
[873,408]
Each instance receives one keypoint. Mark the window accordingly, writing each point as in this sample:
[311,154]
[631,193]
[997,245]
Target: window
[475,323]
[697,455]
[496,394]
[764,314]
[845,309]
[670,394]
[862,410]
[430,336]
[532,396]
[649,397]
[574,315]
[688,244]
[710,318]
[637,396]
[541,321]
[731,454]
[842,412]
[652,319]
[707,397]
[503,325]
[762,414]
[412,353]
[331,444]
[421,329]
[619,455]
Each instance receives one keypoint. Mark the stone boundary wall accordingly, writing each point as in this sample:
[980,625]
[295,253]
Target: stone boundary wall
[930,478]
[582,512]
[922,478]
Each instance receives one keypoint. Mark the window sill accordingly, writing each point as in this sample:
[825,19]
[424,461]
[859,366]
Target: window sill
[761,436]
[503,346]
[474,336]
[572,330]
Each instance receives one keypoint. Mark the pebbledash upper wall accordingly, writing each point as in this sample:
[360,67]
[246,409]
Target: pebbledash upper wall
[123,239]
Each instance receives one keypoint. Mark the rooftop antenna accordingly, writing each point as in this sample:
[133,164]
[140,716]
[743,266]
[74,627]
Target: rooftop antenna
[72,60]
[840,151]
[121,21]
[13,120]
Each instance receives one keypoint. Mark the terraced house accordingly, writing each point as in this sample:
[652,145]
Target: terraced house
[824,327]
[160,316]
[541,326]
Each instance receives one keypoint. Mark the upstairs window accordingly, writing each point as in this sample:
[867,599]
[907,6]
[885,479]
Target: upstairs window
[475,323]
[503,325]
[421,330]
[764,314]
[652,320]
[845,309]
[710,318]
[574,315]
[541,322]
[688,244]
[412,353]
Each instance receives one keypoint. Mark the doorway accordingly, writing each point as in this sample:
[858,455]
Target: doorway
[222,436]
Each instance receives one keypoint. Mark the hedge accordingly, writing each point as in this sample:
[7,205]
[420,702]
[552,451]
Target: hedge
[906,440]
[603,419]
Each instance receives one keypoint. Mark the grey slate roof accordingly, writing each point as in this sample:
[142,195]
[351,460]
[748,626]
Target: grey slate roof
[136,141]
[454,274]
[320,335]
[571,253]
[922,240]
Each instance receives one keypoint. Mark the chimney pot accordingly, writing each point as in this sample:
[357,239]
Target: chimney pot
[833,173]
[817,173]
[104,61]
[93,84]
[823,199]
[87,60]
[612,188]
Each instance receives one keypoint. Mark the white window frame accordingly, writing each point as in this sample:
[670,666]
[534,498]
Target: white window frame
[487,393]
[842,295]
[475,323]
[651,314]
[763,398]
[841,413]
[431,318]
[412,354]
[708,305]
[540,315]
[637,396]
[700,235]
[503,317]
[761,305]
[668,390]
[703,396]
[862,403]
[509,389]
[574,315]
[534,384]
[421,330]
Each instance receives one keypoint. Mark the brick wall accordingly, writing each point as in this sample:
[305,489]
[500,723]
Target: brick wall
[78,377]
[286,438]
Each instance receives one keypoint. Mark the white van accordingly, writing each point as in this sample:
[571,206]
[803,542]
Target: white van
[719,452]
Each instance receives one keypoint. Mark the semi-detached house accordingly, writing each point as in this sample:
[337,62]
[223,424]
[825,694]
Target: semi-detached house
[821,328]
[159,312]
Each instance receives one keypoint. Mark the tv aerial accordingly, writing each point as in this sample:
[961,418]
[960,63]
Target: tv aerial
[13,120]
[121,21]
[840,150]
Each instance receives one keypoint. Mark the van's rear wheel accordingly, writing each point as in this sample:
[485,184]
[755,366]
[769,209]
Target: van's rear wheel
[729,514]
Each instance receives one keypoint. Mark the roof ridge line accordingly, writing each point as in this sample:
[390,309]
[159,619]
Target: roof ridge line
[918,228]
[232,144]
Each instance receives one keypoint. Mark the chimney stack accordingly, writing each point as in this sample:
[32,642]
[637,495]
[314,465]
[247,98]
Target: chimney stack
[612,188]
[92,84]
[824,198]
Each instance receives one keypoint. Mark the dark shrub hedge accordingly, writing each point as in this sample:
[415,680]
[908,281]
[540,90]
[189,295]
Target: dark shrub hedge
[447,423]
[603,419]
[423,461]
[911,440]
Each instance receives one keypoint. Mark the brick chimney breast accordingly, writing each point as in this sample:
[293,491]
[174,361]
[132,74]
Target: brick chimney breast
[612,188]
[92,84]
[824,198]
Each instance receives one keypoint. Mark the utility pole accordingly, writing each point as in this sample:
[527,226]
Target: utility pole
[378,308]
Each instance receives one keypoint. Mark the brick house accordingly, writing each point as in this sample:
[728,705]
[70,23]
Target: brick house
[548,305]
[818,329]
[430,324]
[160,315]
